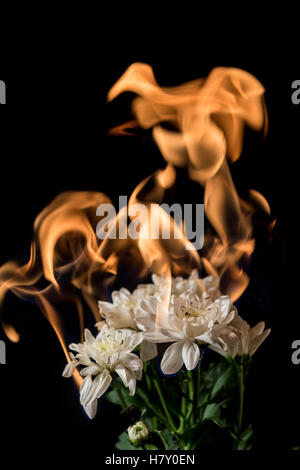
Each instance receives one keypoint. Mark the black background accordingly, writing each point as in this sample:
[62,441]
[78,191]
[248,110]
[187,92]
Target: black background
[54,138]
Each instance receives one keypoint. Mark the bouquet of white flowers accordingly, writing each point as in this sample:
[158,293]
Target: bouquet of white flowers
[149,352]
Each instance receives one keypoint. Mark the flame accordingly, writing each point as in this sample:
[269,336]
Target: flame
[64,246]
[199,126]
[207,118]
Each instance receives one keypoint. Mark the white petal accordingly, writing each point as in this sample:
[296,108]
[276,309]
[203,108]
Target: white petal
[172,359]
[156,336]
[120,318]
[149,305]
[119,297]
[90,370]
[173,335]
[145,322]
[124,374]
[135,340]
[139,374]
[258,341]
[99,325]
[91,409]
[89,338]
[85,389]
[132,385]
[104,306]
[131,361]
[70,368]
[130,339]
[101,383]
[257,329]
[148,351]
[223,303]
[190,354]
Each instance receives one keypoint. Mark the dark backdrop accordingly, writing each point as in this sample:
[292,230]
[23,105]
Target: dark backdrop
[54,138]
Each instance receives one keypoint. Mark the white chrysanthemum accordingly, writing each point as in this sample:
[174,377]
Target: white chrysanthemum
[136,310]
[239,339]
[138,433]
[110,351]
[180,286]
[192,320]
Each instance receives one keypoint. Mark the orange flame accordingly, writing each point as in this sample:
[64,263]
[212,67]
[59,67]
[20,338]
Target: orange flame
[208,117]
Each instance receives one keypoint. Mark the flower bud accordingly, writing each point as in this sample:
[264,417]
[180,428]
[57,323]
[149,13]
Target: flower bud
[138,433]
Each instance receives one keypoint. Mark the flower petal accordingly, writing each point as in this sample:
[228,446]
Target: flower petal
[131,361]
[190,354]
[90,370]
[85,389]
[223,302]
[124,374]
[89,338]
[101,383]
[91,408]
[172,360]
[148,351]
[132,385]
[157,336]
[70,368]
[256,342]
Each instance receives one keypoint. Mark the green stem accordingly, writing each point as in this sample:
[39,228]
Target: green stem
[164,442]
[163,403]
[120,394]
[152,407]
[191,392]
[197,392]
[183,407]
[241,396]
[183,400]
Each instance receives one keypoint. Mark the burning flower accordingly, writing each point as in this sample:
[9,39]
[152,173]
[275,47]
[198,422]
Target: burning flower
[110,351]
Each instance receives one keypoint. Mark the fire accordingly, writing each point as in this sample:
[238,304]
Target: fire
[205,121]
[207,117]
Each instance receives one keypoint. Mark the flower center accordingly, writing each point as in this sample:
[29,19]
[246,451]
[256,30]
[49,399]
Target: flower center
[191,311]
[108,347]
[130,304]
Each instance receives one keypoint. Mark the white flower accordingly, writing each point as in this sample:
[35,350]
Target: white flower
[110,351]
[191,321]
[136,310]
[138,433]
[239,338]
[182,287]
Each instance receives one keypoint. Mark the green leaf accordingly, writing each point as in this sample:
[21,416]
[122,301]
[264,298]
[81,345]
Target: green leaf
[150,447]
[123,442]
[220,422]
[112,397]
[225,380]
[211,411]
[245,439]
[172,443]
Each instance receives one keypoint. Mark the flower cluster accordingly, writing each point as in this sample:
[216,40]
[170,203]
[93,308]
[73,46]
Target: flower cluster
[195,314]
